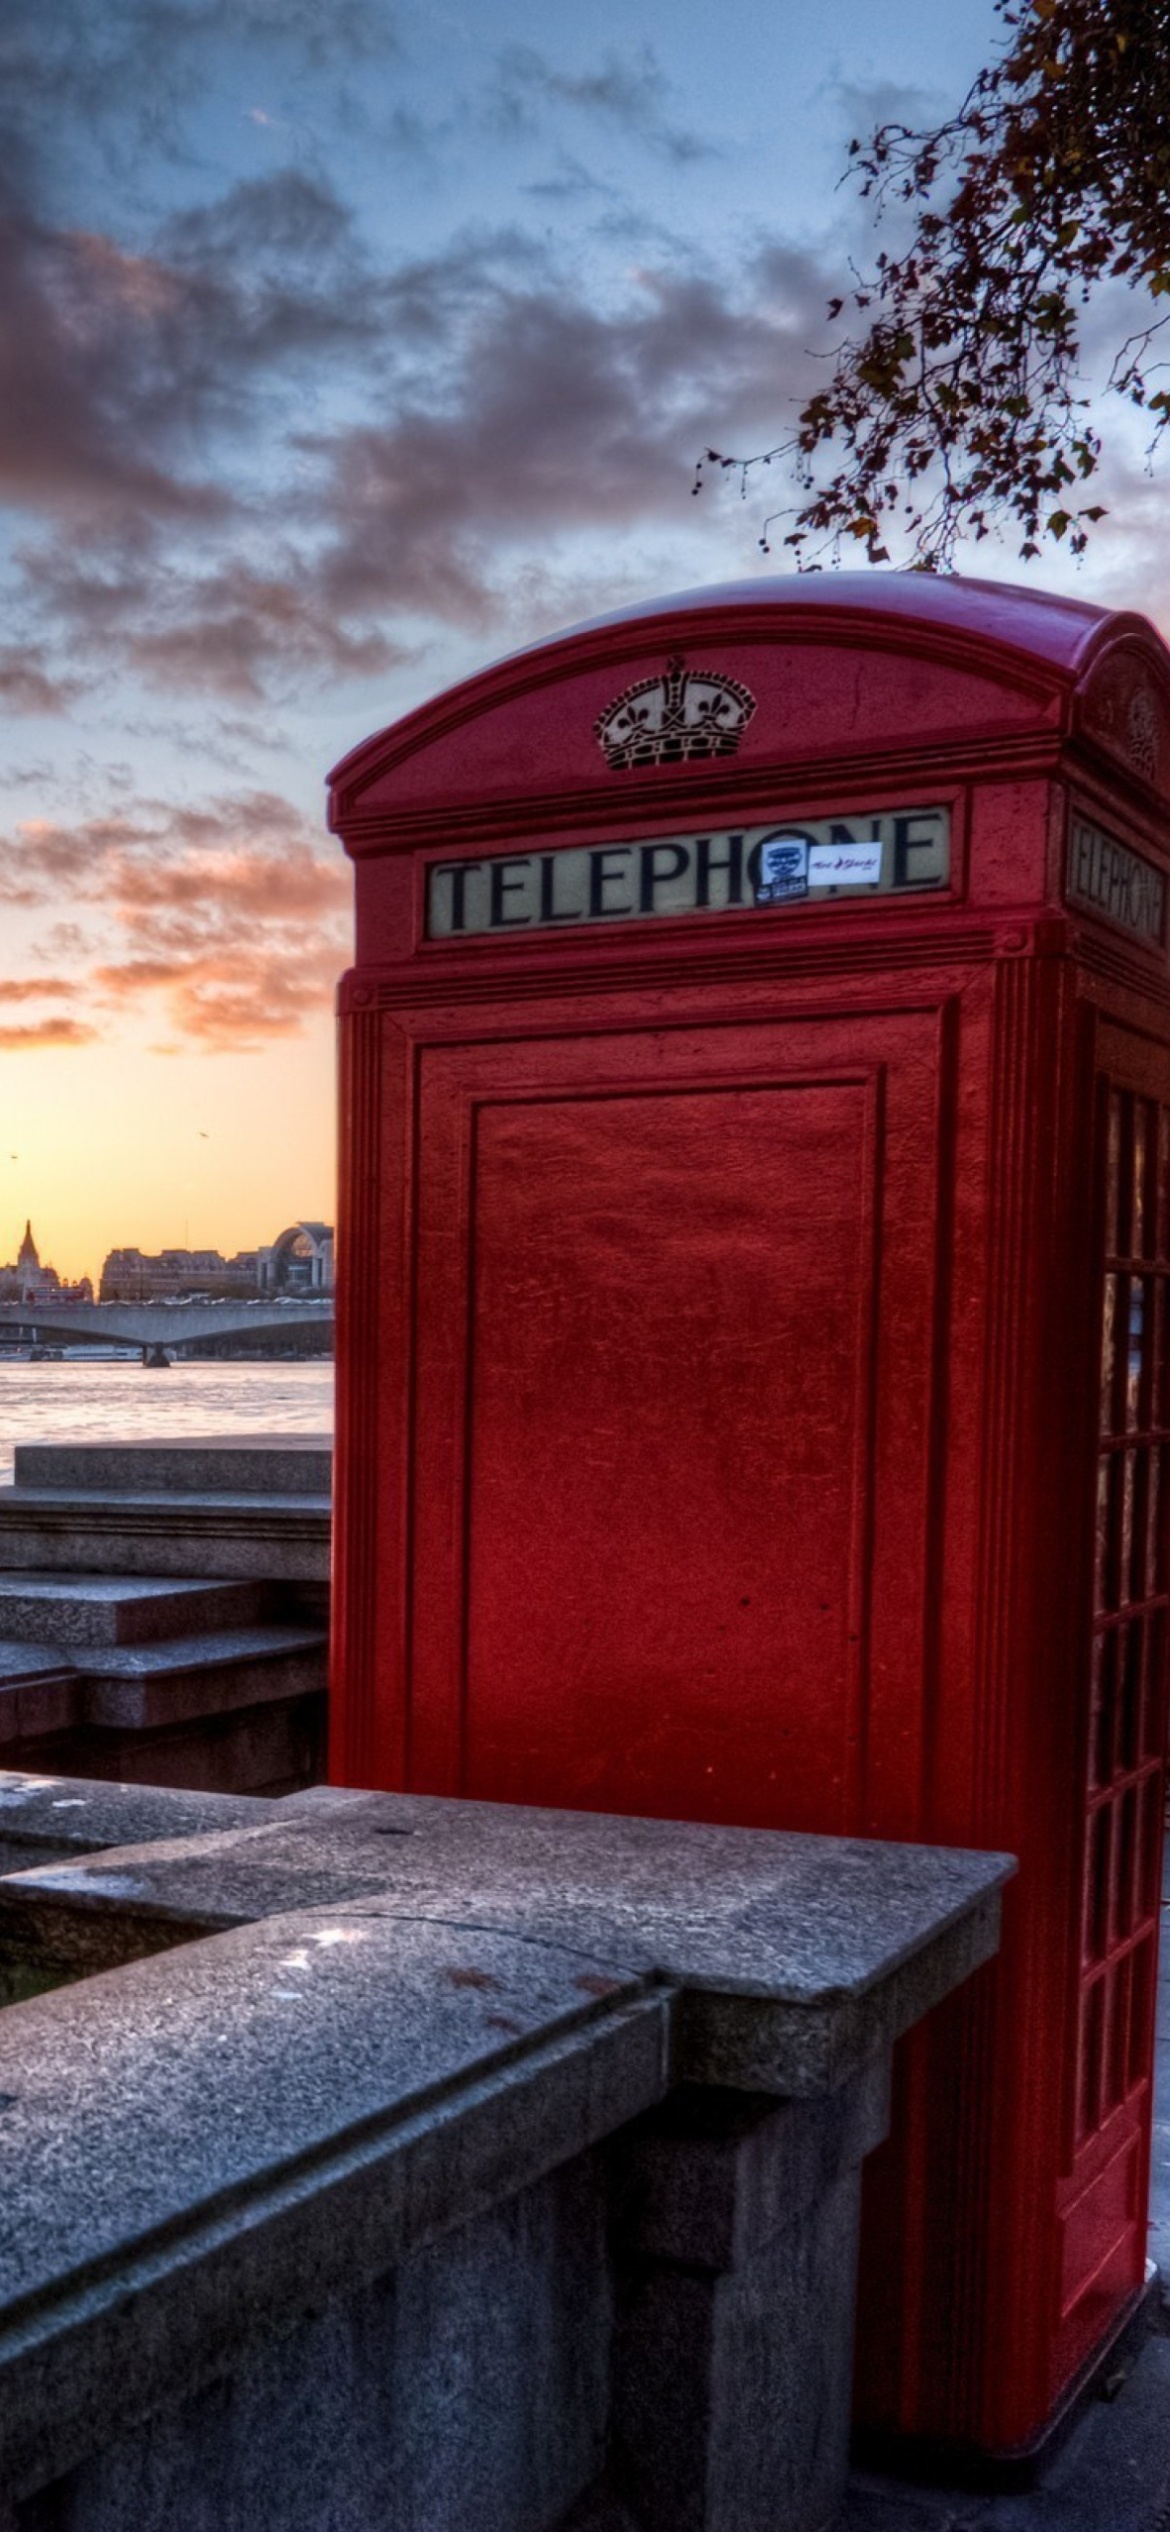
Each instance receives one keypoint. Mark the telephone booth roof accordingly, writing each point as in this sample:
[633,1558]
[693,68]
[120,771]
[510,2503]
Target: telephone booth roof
[969,659]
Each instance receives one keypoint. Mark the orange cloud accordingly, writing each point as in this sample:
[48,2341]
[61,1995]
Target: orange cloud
[46,1033]
[34,988]
[228,910]
[234,997]
[294,886]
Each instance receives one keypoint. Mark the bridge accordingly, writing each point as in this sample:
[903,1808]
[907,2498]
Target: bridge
[158,1327]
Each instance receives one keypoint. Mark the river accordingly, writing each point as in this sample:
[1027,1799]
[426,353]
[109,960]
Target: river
[99,1402]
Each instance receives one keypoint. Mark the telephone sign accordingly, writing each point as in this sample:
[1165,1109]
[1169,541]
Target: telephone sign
[782,862]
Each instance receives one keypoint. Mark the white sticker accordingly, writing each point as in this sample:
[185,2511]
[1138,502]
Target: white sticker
[845,865]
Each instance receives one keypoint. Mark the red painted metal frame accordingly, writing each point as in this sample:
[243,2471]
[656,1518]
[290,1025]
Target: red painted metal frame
[720,1364]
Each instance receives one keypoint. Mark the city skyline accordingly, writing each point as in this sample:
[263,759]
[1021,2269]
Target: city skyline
[352,353]
[27,1251]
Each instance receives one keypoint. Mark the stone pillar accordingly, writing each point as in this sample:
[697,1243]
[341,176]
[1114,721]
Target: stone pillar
[736,2233]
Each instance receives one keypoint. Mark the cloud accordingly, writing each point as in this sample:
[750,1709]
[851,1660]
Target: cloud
[864,105]
[41,862]
[92,342]
[265,452]
[574,183]
[552,414]
[289,216]
[85,63]
[150,851]
[27,685]
[626,90]
[35,1033]
[226,910]
[64,941]
[521,409]
[231,1000]
[230,630]
[34,988]
[294,888]
[233,631]
[131,375]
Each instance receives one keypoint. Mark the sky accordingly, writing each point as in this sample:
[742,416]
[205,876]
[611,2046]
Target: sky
[345,346]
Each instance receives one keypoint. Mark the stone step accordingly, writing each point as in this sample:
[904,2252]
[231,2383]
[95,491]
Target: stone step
[137,1686]
[232,1464]
[76,1611]
[39,1692]
[214,1536]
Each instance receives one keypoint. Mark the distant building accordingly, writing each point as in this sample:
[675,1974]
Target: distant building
[300,1261]
[178,1274]
[28,1280]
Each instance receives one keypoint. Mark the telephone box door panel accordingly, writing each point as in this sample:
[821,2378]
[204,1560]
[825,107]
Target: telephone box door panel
[675,1323]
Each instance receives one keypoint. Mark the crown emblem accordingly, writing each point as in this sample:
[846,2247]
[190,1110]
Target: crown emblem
[1142,732]
[687,713]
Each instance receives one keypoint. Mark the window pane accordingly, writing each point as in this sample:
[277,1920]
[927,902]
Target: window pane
[1109,1314]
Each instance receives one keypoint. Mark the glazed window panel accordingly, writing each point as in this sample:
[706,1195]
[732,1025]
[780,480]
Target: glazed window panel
[1111,1312]
[1123,1824]
[1154,1688]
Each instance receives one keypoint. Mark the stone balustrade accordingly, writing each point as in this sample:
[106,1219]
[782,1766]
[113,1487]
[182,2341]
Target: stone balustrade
[374,2161]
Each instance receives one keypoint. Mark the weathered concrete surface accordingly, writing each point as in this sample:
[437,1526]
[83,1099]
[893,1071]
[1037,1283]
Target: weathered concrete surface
[423,2365]
[228,1463]
[38,1693]
[212,2143]
[45,1818]
[393,2171]
[797,1957]
[735,2219]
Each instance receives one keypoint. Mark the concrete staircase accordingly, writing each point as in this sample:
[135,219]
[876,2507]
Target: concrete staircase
[207,1672]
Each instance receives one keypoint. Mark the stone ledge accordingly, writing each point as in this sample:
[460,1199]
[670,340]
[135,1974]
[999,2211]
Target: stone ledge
[234,1464]
[377,2024]
[796,1957]
[183,2187]
[46,1818]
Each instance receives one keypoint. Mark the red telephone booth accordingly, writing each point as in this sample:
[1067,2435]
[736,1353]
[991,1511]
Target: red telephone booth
[754,1357]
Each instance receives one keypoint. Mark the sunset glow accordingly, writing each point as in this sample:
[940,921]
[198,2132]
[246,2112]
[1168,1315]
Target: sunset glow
[344,350]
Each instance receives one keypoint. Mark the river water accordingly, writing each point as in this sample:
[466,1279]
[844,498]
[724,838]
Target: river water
[99,1402]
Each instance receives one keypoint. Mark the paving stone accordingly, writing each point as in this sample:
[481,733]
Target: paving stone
[1113,2475]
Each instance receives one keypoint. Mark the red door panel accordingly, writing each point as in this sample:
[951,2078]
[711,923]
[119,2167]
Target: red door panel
[659,1311]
